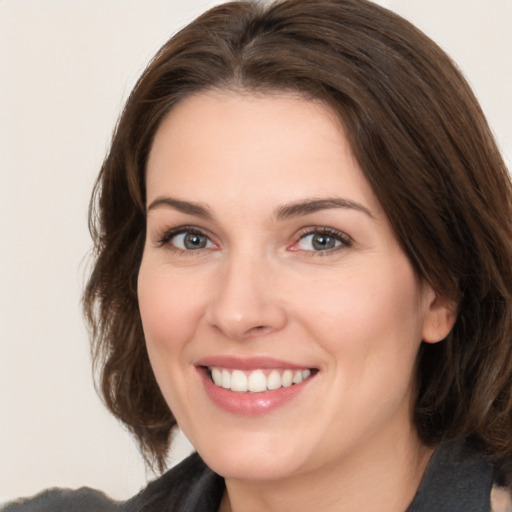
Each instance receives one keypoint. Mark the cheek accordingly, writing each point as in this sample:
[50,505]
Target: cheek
[373,315]
[169,308]
[169,311]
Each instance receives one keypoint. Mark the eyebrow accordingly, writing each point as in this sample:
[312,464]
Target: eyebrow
[187,207]
[287,211]
[309,206]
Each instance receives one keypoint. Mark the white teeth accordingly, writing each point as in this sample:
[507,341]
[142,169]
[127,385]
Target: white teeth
[287,379]
[217,376]
[274,380]
[226,379]
[257,381]
[297,377]
[238,381]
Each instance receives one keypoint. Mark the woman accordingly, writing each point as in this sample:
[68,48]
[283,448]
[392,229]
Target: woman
[304,252]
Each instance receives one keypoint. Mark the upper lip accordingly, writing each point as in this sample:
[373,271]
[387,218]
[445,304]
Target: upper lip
[249,363]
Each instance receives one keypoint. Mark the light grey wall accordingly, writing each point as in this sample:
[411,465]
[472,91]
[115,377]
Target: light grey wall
[65,69]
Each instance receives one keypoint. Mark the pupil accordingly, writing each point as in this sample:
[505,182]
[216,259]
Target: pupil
[322,242]
[194,241]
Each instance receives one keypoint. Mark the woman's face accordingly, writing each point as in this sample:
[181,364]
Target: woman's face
[268,259]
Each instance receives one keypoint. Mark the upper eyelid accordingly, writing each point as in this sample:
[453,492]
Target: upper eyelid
[165,235]
[324,230]
[346,240]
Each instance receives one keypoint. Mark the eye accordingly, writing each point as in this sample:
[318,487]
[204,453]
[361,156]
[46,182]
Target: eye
[187,240]
[322,240]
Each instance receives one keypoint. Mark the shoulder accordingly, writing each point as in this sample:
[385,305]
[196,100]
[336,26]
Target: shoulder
[459,477]
[190,486]
[64,500]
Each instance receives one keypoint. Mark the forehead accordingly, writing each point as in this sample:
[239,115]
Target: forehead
[225,144]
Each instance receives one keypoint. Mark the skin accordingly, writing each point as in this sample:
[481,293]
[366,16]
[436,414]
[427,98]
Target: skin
[259,287]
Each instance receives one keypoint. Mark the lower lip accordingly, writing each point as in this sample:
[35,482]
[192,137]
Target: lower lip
[250,404]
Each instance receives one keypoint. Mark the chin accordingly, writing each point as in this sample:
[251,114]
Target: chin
[252,457]
[252,467]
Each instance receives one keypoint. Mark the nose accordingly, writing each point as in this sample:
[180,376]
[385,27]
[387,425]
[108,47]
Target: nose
[247,301]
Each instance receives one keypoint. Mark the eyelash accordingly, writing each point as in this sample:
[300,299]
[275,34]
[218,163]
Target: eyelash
[165,240]
[344,240]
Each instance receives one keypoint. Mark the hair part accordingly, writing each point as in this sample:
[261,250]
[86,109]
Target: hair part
[422,142]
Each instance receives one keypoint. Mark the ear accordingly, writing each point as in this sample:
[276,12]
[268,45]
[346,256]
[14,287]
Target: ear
[439,318]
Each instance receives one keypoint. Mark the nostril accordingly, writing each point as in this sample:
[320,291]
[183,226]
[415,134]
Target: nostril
[259,329]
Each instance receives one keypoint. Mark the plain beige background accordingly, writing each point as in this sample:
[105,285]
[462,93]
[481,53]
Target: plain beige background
[65,69]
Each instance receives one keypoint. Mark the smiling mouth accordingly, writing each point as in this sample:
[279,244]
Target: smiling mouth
[257,381]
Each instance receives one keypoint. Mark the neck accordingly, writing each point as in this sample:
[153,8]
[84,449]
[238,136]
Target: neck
[362,481]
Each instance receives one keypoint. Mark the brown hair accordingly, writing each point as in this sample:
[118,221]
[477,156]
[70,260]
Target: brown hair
[422,142]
